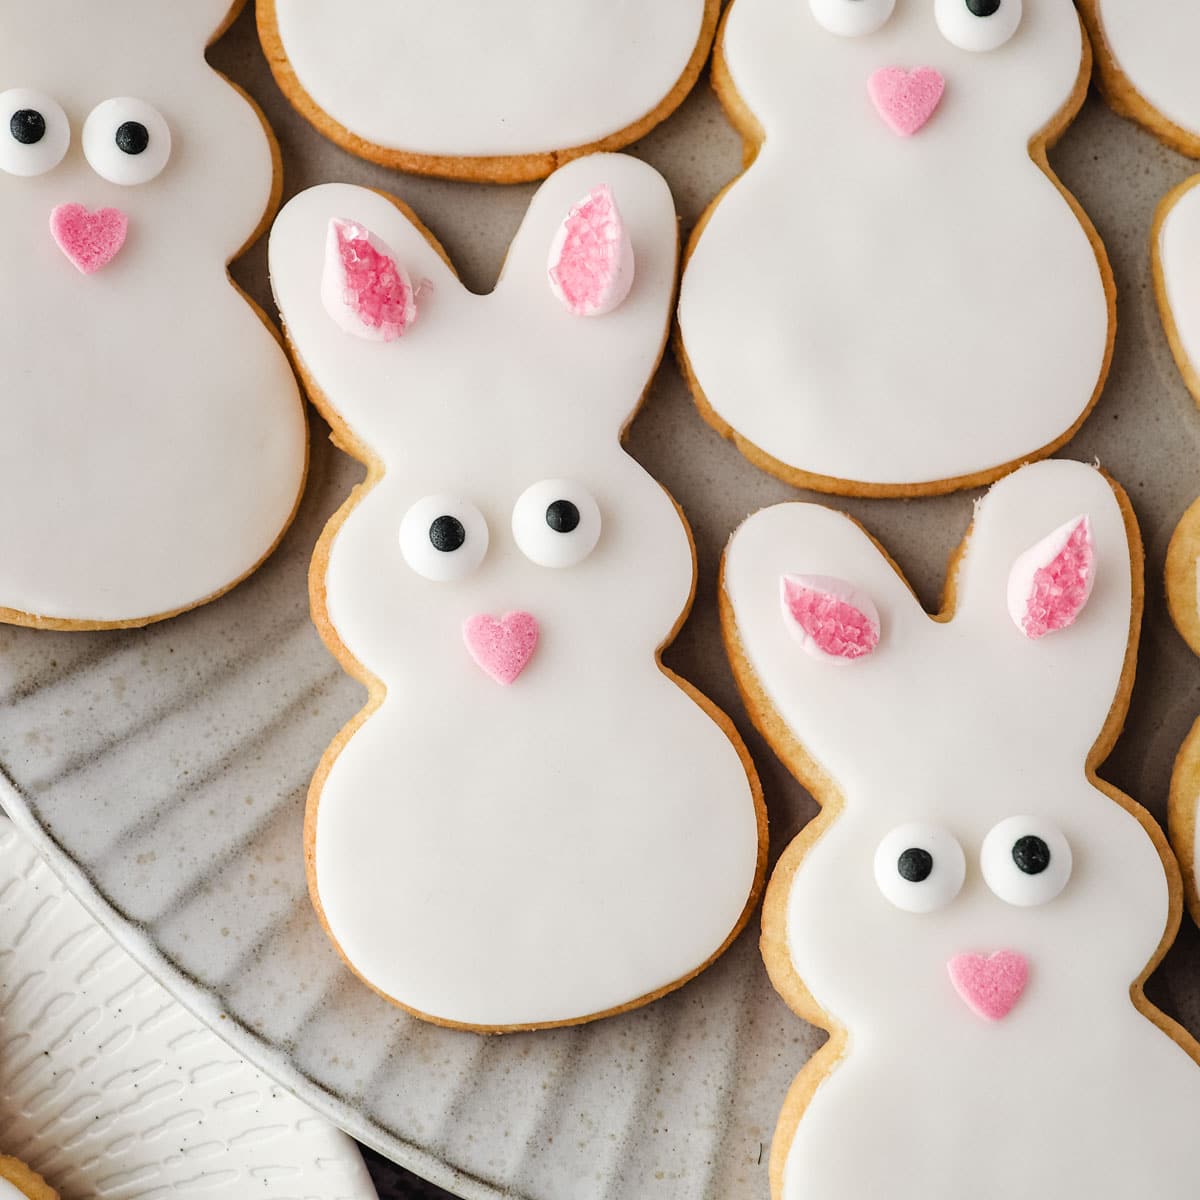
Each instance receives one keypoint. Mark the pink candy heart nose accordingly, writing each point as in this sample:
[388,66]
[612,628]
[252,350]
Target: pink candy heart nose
[990,987]
[906,99]
[91,240]
[502,648]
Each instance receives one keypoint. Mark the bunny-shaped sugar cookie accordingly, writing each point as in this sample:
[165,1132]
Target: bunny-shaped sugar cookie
[973,914]
[472,89]
[155,442]
[1146,60]
[533,823]
[897,297]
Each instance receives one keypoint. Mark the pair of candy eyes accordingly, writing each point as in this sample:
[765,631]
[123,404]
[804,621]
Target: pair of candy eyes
[556,523]
[978,25]
[1025,861]
[126,141]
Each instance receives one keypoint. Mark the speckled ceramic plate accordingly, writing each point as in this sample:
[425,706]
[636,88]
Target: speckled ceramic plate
[109,1087]
[164,772]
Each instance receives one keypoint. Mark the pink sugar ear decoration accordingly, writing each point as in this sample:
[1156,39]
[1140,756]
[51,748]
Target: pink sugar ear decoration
[502,648]
[906,99]
[1050,584]
[91,240]
[591,258]
[990,987]
[831,619]
[364,288]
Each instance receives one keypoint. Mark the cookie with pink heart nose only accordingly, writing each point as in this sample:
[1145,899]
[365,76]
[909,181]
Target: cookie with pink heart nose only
[973,898]
[501,93]
[155,443]
[897,297]
[533,822]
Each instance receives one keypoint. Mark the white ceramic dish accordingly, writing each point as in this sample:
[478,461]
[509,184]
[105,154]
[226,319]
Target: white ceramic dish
[164,772]
[110,1088]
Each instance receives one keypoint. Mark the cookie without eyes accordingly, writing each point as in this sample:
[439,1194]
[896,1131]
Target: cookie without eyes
[533,822]
[472,89]
[155,444]
[897,297]
[974,906]
[1146,65]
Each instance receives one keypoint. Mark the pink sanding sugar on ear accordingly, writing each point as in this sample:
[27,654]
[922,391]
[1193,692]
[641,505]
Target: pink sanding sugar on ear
[364,288]
[91,240]
[828,617]
[906,99]
[990,987]
[502,648]
[591,258]
[1050,584]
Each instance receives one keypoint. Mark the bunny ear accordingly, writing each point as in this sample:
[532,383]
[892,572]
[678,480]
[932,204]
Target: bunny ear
[592,262]
[365,290]
[1051,583]
[601,242]
[831,619]
[364,294]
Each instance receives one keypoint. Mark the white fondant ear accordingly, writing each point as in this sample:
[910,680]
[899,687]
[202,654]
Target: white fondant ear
[1052,581]
[364,288]
[831,619]
[592,265]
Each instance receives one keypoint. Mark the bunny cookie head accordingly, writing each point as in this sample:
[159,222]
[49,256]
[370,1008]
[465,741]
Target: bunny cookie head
[479,90]
[968,870]
[955,318]
[506,582]
[140,390]
[911,67]
[1144,52]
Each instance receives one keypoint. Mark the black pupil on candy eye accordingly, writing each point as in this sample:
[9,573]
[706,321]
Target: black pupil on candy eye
[983,8]
[447,534]
[1031,855]
[562,516]
[915,865]
[27,126]
[133,137]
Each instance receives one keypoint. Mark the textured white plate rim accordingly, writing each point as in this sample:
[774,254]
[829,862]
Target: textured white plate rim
[202,1004]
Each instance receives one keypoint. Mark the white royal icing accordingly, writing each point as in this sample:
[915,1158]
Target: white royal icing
[476,78]
[962,724]
[568,844]
[1177,254]
[10,1191]
[1153,44]
[896,310]
[154,438]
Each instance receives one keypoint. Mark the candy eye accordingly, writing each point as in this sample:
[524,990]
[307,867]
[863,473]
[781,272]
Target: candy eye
[36,133]
[443,538]
[920,868]
[556,523]
[126,141]
[978,25]
[852,18]
[1026,861]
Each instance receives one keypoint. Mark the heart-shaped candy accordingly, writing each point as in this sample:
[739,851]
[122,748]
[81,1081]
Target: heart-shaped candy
[990,986]
[91,240]
[906,99]
[502,648]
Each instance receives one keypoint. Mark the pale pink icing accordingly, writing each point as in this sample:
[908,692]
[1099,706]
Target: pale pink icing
[836,627]
[91,240]
[374,289]
[906,99]
[589,267]
[502,648]
[1061,588]
[991,986]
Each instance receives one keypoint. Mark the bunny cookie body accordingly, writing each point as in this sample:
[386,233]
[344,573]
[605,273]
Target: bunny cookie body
[971,912]
[1145,52]
[897,297]
[479,90]
[534,823]
[155,442]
